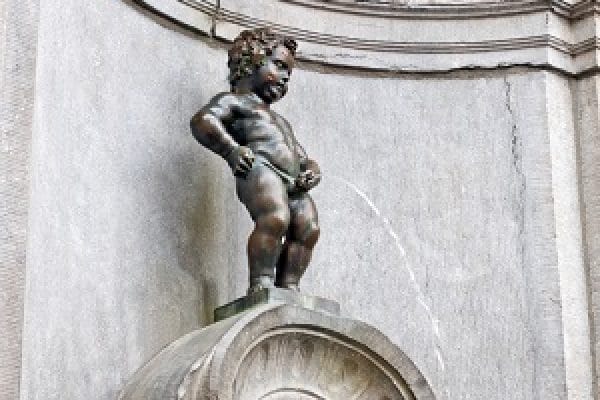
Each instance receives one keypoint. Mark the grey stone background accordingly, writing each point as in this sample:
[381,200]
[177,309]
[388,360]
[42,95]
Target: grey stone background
[18,35]
[457,211]
[587,122]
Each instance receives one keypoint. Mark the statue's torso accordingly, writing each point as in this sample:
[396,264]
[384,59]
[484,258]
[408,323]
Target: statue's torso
[267,133]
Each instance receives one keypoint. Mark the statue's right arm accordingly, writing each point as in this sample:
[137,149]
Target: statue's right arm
[209,124]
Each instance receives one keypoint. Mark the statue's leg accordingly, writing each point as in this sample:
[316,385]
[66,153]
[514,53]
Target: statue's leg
[302,236]
[265,197]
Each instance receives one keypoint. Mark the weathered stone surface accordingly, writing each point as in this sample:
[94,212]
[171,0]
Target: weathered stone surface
[280,351]
[18,36]
[127,243]
[568,237]
[437,207]
[587,124]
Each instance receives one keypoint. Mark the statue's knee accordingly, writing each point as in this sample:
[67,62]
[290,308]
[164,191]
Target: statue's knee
[312,234]
[275,223]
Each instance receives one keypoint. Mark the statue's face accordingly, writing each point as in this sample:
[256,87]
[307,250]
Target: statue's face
[270,80]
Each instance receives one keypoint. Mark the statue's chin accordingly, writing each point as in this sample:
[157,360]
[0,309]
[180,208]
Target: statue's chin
[273,93]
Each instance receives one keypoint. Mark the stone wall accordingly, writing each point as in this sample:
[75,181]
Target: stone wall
[128,216]
[18,20]
[587,112]
[457,205]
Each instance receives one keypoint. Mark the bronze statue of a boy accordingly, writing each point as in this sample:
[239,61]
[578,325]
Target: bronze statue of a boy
[273,173]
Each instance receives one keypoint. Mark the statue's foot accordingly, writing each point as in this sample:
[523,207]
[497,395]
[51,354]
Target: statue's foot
[261,282]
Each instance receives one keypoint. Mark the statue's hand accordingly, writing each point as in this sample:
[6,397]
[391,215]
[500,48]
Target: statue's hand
[307,180]
[241,160]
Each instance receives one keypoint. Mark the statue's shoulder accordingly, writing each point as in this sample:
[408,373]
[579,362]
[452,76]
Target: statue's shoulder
[226,98]
[234,101]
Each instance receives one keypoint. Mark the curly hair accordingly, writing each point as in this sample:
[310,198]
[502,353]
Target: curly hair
[250,49]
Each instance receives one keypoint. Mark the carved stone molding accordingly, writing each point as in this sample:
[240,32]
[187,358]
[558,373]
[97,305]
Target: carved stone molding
[455,10]
[387,35]
[280,351]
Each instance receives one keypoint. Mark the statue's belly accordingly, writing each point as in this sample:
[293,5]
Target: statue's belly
[278,154]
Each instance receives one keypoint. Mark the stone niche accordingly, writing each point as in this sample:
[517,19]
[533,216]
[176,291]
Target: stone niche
[281,350]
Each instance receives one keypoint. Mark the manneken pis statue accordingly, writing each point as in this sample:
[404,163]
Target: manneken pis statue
[272,171]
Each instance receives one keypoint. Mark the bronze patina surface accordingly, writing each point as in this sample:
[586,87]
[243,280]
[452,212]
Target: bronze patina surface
[273,172]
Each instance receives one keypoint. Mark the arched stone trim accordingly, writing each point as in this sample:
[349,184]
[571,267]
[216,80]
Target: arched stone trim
[412,37]
[455,10]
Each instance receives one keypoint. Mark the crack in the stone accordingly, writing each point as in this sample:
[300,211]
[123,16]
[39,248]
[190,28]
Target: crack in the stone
[520,181]
[515,142]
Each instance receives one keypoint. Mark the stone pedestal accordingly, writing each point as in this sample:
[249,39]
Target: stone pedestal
[280,350]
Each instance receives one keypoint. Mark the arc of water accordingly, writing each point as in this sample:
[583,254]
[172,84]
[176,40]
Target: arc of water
[392,233]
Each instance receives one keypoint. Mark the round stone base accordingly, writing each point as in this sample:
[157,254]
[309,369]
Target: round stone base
[279,351]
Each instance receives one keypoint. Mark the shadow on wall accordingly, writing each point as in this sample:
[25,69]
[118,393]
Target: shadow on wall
[200,254]
[182,215]
[199,192]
